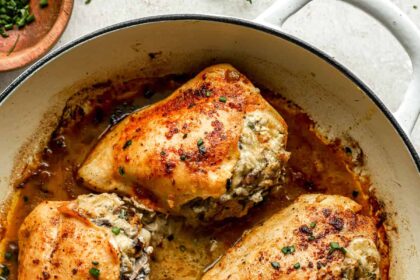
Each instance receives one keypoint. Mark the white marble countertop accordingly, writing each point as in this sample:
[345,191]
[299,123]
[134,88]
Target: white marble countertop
[347,34]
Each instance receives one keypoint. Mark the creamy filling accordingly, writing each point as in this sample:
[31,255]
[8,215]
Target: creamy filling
[133,228]
[362,260]
[261,160]
[260,167]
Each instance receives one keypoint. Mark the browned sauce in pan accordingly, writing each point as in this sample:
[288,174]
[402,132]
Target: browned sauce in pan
[316,165]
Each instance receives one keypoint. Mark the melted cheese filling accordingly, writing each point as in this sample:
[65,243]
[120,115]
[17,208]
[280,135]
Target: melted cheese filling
[259,168]
[130,234]
[362,260]
[260,165]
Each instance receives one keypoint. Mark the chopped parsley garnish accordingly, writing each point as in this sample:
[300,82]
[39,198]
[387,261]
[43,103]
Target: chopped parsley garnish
[95,263]
[334,246]
[15,13]
[275,265]
[311,238]
[162,153]
[208,93]
[296,266]
[312,224]
[183,157]
[94,272]
[127,144]
[222,99]
[288,249]
[8,255]
[116,230]
[202,150]
[123,214]
[43,3]
[4,270]
[121,170]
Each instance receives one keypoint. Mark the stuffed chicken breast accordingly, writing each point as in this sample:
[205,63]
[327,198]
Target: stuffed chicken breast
[94,236]
[210,150]
[317,237]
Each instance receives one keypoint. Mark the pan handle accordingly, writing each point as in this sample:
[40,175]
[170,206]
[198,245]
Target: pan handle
[392,18]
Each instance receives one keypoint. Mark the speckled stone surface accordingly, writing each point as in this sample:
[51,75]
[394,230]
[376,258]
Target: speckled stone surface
[345,33]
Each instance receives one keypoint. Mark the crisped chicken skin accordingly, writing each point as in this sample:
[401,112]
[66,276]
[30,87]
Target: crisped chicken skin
[317,237]
[210,150]
[94,235]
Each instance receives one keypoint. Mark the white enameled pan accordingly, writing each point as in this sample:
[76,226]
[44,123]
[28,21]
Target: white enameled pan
[341,104]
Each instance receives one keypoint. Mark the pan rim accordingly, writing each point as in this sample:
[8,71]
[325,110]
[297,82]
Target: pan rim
[223,19]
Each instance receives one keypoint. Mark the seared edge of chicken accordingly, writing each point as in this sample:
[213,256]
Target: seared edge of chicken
[93,234]
[317,237]
[210,150]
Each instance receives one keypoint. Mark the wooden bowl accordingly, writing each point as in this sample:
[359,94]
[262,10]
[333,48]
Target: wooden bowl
[25,45]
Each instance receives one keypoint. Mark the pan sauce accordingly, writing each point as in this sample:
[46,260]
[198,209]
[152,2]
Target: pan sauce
[316,165]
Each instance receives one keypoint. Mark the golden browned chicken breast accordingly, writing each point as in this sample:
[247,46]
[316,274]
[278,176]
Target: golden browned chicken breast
[210,150]
[317,237]
[94,236]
